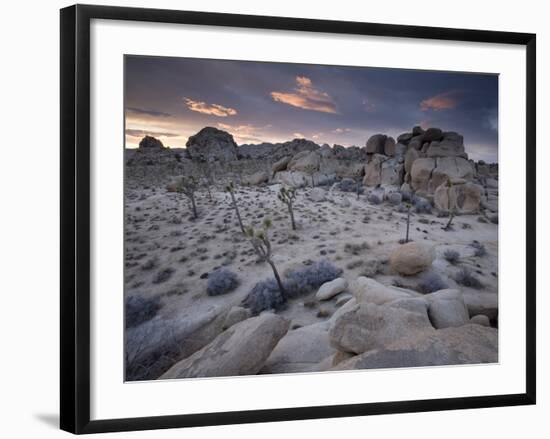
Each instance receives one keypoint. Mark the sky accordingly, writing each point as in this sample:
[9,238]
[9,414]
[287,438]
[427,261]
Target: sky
[173,98]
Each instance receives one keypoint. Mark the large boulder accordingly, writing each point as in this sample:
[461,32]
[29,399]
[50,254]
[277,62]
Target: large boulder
[391,172]
[417,142]
[153,347]
[455,169]
[150,143]
[367,326]
[469,196]
[446,148]
[281,164]
[447,308]
[349,169]
[376,144]
[404,138]
[410,156]
[461,198]
[257,178]
[468,344]
[400,151]
[421,172]
[411,258]
[444,198]
[241,349]
[433,134]
[330,289]
[373,170]
[479,302]
[367,290]
[212,144]
[235,315]
[305,161]
[389,147]
[300,350]
[417,130]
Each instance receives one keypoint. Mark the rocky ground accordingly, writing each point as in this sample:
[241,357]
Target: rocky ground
[357,295]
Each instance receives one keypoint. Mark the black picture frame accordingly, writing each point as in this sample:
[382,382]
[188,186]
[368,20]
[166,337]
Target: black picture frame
[75,217]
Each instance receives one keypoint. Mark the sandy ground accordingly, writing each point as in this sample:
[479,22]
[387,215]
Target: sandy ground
[356,236]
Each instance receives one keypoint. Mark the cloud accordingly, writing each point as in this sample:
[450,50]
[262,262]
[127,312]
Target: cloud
[341,130]
[306,96]
[441,101]
[212,109]
[143,133]
[298,135]
[148,112]
[245,133]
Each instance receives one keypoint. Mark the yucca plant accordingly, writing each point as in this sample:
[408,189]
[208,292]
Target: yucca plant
[287,196]
[409,206]
[230,188]
[188,187]
[262,246]
[206,172]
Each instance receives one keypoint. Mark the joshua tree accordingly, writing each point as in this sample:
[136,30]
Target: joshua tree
[288,196]
[452,214]
[260,242]
[310,170]
[231,189]
[206,172]
[236,170]
[408,221]
[188,187]
[359,183]
[452,210]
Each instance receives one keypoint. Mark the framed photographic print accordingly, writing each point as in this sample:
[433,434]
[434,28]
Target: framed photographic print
[304,218]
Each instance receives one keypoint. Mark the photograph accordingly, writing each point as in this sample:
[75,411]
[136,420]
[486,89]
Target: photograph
[297,218]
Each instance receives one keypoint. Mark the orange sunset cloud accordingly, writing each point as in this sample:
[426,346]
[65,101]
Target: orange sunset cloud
[442,101]
[212,109]
[306,96]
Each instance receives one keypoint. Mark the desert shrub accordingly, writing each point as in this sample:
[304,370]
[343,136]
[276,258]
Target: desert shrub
[451,256]
[221,281]
[395,198]
[163,275]
[421,205]
[140,309]
[405,196]
[479,248]
[265,295]
[327,181]
[300,282]
[374,199]
[350,185]
[356,249]
[430,282]
[150,349]
[466,278]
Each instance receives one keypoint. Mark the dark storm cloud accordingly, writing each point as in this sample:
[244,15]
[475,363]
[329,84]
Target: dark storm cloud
[275,102]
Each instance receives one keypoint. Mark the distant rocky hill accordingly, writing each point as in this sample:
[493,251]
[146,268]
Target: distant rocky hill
[429,163]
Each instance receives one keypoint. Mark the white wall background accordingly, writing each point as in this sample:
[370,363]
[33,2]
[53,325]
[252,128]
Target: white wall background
[29,248]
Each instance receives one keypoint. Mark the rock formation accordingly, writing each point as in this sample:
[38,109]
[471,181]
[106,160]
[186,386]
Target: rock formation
[211,144]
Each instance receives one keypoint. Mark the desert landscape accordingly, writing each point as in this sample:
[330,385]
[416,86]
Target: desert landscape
[296,257]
